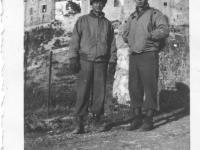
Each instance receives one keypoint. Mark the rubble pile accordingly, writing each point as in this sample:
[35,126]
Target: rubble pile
[55,40]
[120,86]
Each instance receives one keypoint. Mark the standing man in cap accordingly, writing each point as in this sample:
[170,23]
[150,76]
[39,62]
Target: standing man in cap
[92,52]
[145,29]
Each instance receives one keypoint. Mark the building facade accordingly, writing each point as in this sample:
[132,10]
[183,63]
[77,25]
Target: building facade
[177,11]
[37,12]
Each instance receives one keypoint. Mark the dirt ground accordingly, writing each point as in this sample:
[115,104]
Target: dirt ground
[171,132]
[53,132]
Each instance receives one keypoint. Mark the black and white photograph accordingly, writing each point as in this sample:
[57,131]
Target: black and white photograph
[100,74]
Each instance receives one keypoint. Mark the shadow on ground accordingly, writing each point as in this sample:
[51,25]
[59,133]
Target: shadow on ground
[172,99]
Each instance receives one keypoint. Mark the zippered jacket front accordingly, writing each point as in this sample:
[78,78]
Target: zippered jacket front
[93,39]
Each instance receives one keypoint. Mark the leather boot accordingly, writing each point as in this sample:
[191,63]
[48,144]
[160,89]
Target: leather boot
[80,126]
[148,121]
[96,126]
[137,121]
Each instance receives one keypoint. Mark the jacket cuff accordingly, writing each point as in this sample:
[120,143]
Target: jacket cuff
[112,61]
[73,58]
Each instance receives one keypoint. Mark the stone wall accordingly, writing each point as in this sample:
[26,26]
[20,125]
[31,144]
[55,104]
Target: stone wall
[176,10]
[174,62]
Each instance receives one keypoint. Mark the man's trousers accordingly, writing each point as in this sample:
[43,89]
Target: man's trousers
[143,78]
[92,76]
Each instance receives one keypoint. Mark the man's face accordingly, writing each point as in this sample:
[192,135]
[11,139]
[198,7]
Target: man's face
[141,3]
[98,6]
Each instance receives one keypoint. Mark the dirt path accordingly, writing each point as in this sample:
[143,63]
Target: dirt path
[171,133]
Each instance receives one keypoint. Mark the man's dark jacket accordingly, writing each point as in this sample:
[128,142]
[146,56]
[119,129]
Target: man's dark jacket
[93,39]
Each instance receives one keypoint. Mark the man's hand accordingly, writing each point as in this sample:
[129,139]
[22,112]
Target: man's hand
[111,68]
[74,65]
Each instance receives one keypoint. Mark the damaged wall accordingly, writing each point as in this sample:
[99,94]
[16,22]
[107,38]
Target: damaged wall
[38,12]
[176,10]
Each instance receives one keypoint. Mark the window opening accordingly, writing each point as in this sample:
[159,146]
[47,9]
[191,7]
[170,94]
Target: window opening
[44,8]
[116,3]
[165,3]
[31,11]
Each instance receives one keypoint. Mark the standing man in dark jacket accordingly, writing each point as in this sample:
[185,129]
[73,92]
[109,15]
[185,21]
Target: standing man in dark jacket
[92,51]
[145,28]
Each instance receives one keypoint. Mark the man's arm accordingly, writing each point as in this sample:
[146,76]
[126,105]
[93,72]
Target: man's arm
[75,40]
[74,64]
[161,27]
[113,48]
[126,30]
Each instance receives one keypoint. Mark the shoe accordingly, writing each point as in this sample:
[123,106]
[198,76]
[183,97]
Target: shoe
[147,125]
[80,126]
[136,124]
[96,126]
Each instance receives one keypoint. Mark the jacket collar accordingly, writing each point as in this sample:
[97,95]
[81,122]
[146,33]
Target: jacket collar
[140,13]
[92,14]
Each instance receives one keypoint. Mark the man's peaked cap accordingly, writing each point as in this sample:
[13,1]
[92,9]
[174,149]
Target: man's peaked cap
[104,1]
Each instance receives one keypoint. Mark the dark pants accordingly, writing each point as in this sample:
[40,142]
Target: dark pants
[143,78]
[91,76]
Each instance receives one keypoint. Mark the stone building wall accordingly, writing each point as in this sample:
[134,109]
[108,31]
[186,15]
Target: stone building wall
[129,7]
[113,9]
[39,12]
[177,11]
